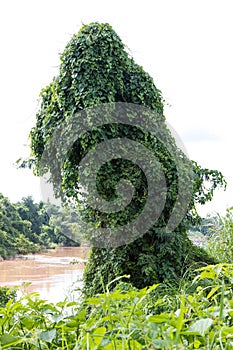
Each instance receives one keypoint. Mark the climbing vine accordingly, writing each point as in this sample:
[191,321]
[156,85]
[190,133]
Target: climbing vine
[96,70]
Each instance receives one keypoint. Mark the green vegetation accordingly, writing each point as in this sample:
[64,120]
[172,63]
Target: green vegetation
[199,315]
[27,227]
[148,294]
[217,231]
[14,231]
[6,294]
[95,69]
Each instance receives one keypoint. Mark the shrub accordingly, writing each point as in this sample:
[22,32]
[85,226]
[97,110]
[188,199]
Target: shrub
[6,294]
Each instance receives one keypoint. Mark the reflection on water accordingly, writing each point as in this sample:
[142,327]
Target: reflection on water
[50,273]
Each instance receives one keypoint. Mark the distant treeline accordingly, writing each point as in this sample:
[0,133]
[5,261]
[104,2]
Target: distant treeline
[28,227]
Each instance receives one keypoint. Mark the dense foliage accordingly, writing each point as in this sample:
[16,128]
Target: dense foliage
[95,69]
[197,316]
[6,294]
[26,227]
[14,231]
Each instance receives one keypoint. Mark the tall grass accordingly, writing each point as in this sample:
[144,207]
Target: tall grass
[220,237]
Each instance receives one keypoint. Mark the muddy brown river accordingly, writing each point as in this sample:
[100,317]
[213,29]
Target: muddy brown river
[49,274]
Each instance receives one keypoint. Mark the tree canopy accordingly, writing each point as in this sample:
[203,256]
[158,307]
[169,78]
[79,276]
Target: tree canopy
[27,227]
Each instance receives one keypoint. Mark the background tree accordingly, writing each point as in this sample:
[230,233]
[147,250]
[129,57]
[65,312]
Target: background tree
[30,211]
[14,231]
[95,69]
[48,223]
[27,227]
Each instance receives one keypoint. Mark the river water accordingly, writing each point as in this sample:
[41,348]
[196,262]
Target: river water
[50,274]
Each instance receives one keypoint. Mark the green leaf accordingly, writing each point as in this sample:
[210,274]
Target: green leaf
[48,336]
[200,327]
[196,344]
[98,334]
[163,318]
[28,322]
[8,339]
[213,290]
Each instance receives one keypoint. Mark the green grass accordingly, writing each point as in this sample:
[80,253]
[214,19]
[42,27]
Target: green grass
[220,238]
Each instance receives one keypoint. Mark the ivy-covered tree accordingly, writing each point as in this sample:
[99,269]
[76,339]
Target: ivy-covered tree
[96,69]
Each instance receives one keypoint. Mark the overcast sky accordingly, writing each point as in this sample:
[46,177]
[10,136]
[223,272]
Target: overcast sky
[186,46]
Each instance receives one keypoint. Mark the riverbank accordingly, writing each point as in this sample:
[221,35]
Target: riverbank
[43,250]
[21,256]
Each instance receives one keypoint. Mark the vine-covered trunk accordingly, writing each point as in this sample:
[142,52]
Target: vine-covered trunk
[100,126]
[154,258]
